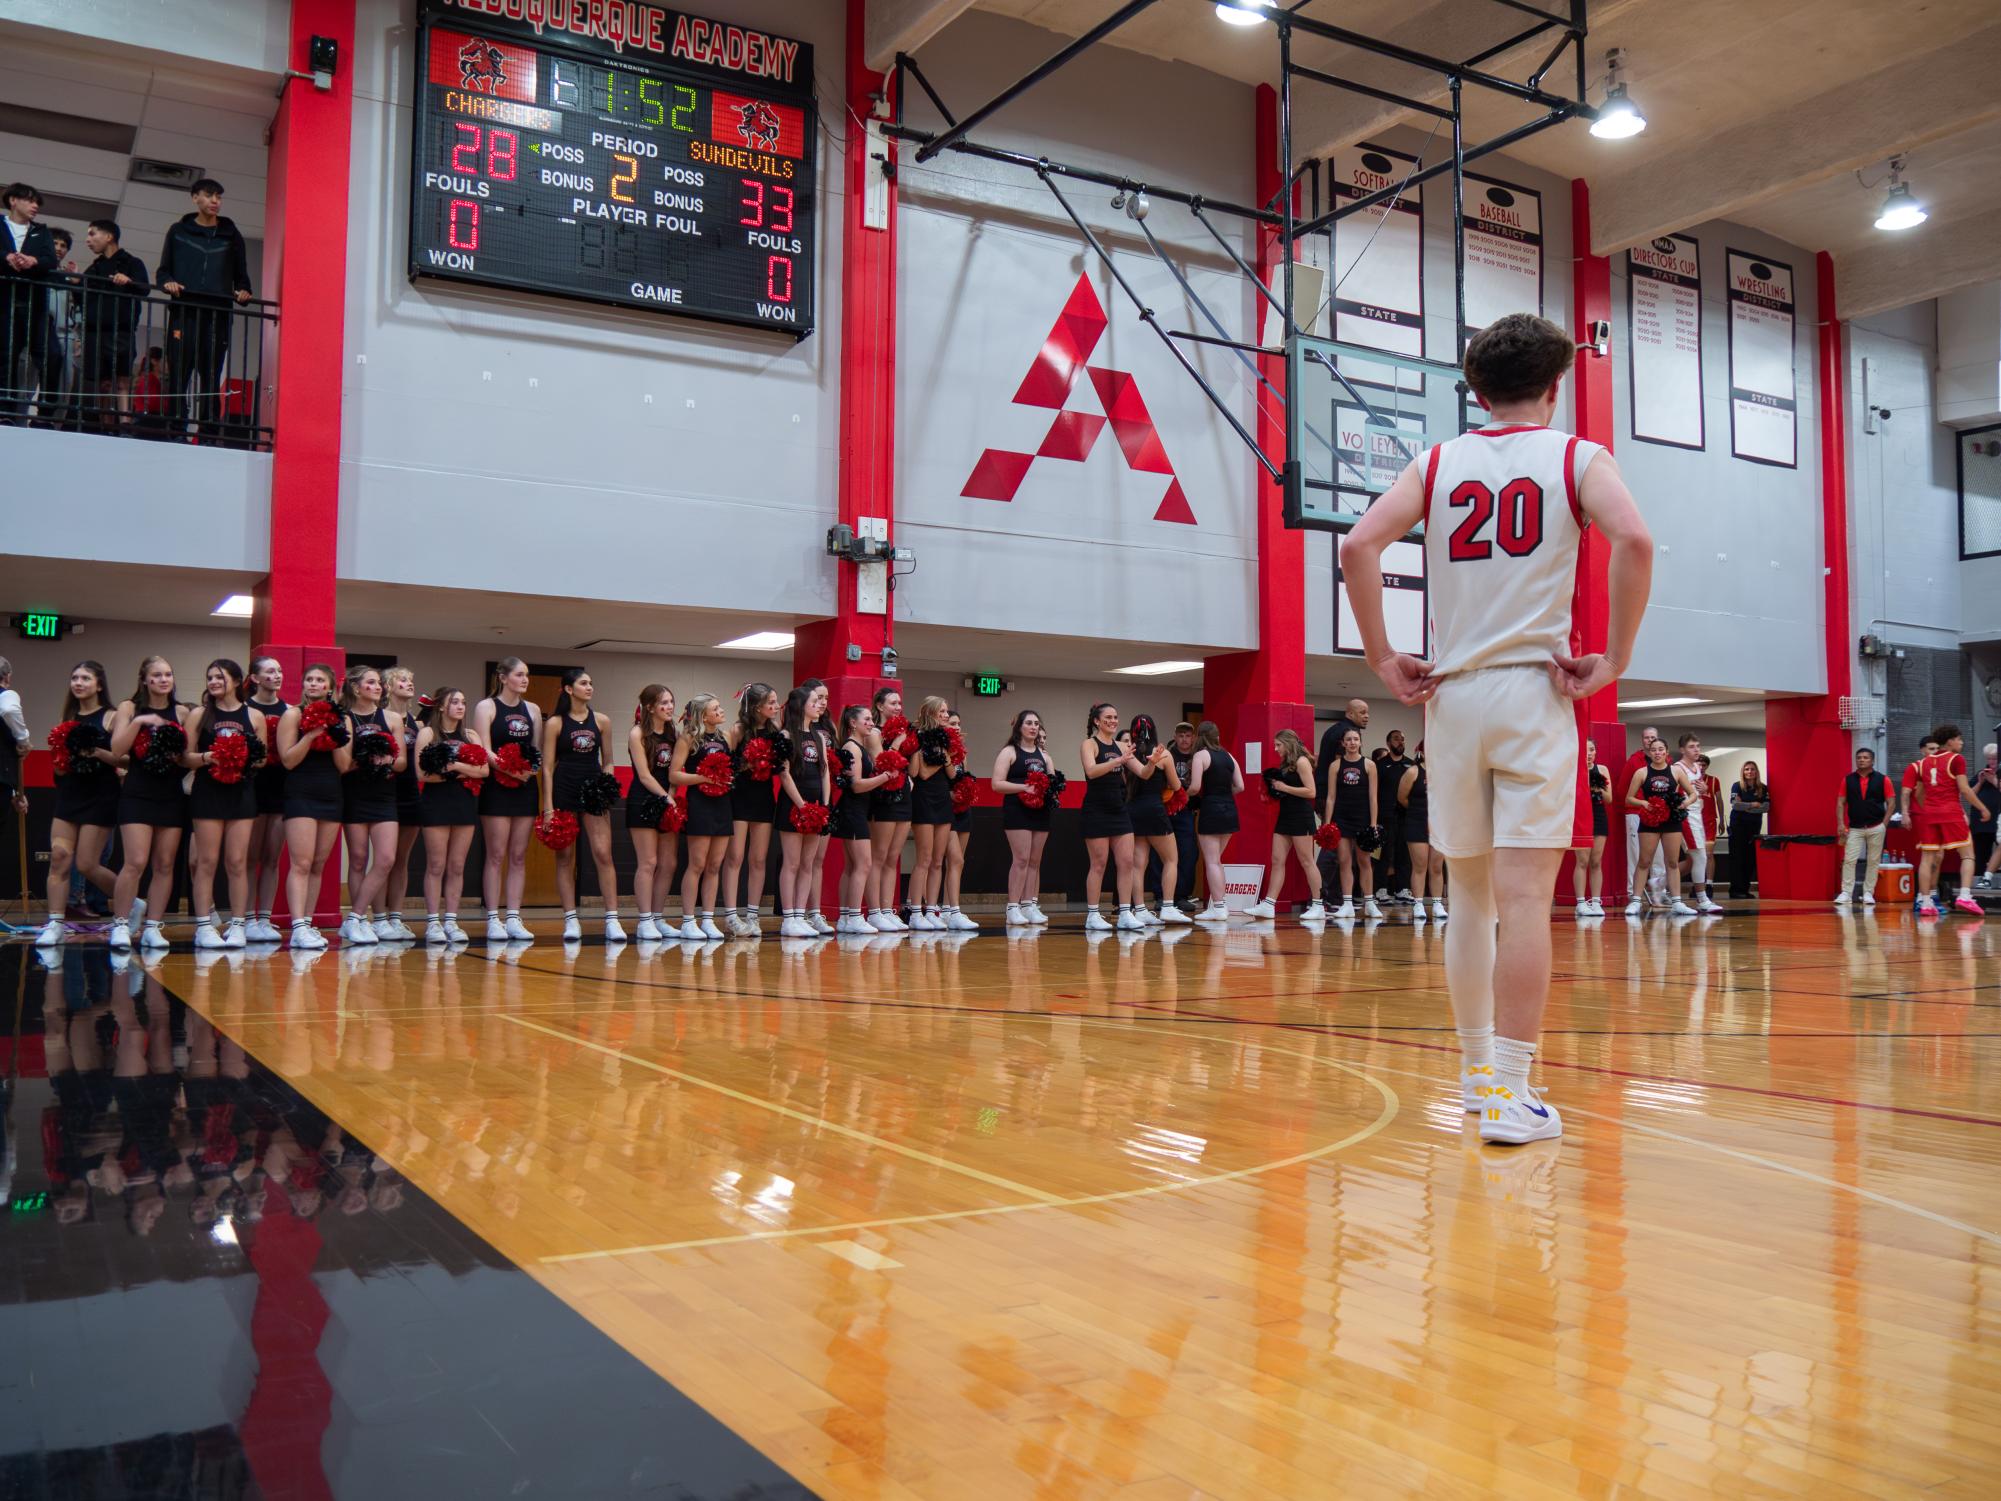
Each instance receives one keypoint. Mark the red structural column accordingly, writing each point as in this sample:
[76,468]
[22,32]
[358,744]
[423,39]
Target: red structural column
[1810,752]
[1591,401]
[1252,695]
[306,222]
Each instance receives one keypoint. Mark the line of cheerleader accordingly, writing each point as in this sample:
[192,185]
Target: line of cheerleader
[365,760]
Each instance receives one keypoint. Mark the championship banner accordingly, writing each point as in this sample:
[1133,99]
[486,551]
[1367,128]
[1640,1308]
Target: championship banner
[1764,420]
[1664,344]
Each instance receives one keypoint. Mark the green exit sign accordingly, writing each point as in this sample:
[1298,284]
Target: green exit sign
[38,626]
[988,685]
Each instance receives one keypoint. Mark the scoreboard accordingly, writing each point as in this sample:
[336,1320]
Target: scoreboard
[617,152]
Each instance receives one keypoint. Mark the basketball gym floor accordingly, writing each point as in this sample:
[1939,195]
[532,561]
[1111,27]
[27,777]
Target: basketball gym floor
[1040,1216]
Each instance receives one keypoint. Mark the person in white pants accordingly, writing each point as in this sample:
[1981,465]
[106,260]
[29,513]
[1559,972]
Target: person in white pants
[1688,773]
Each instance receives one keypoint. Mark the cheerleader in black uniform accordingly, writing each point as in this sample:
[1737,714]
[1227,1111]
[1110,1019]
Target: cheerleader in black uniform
[1588,865]
[804,780]
[86,804]
[649,749]
[930,816]
[225,813]
[1108,827]
[1149,784]
[753,808]
[152,805]
[507,814]
[709,814]
[401,685]
[368,800]
[1027,828]
[1427,871]
[1218,779]
[267,838]
[1660,826]
[576,747]
[850,823]
[955,848]
[1350,807]
[449,807]
[889,816]
[312,802]
[1291,784]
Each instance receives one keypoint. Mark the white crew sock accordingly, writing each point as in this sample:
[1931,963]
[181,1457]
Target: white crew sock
[1512,1058]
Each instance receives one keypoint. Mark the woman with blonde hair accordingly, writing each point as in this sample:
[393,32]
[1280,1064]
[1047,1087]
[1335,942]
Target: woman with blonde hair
[753,809]
[709,818]
[649,747]
[400,685]
[1217,777]
[152,807]
[931,820]
[369,765]
[1290,782]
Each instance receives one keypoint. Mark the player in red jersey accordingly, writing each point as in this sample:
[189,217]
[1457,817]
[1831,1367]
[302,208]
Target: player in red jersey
[1941,790]
[1505,508]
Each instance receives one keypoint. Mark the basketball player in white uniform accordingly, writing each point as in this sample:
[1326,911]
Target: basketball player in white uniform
[1504,509]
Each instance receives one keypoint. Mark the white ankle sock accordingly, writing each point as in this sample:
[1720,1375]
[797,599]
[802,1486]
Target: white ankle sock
[1476,1047]
[1512,1059]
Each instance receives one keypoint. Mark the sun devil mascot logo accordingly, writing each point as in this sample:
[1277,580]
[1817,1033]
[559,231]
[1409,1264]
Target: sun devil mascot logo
[482,67]
[758,123]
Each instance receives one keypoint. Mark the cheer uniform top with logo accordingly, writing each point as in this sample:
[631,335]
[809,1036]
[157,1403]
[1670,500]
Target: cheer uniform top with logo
[225,800]
[1503,523]
[1015,814]
[850,817]
[885,806]
[367,796]
[1661,783]
[809,774]
[513,724]
[1941,816]
[155,798]
[1601,788]
[1218,813]
[1352,813]
[88,798]
[578,756]
[449,803]
[312,788]
[1295,814]
[709,816]
[270,777]
[1105,815]
[638,793]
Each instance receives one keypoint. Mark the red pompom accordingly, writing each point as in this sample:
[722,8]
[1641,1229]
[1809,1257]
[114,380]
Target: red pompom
[1036,789]
[965,793]
[59,746]
[315,717]
[511,766]
[810,818]
[1327,836]
[675,817]
[897,736]
[895,764]
[228,758]
[557,830]
[758,762]
[716,773]
[1657,812]
[955,746]
[468,754]
[1176,800]
[142,743]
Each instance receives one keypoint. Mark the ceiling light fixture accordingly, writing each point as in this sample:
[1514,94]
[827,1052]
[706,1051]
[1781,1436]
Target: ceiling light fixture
[1155,669]
[1242,12]
[1660,703]
[1900,209]
[236,607]
[758,641]
[1618,118]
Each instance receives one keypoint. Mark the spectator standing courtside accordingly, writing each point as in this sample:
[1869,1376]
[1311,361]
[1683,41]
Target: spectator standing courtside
[204,266]
[1396,761]
[1750,801]
[114,285]
[27,257]
[1861,816]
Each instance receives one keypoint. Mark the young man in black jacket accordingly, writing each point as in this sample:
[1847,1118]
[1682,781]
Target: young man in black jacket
[114,289]
[204,267]
[27,256]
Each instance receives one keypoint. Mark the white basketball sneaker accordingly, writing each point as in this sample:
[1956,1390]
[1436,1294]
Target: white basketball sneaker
[1095,923]
[1035,913]
[1262,907]
[1172,915]
[1474,1082]
[1510,1119]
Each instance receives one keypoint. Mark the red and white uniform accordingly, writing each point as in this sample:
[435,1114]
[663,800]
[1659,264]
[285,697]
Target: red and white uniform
[1501,535]
[1941,817]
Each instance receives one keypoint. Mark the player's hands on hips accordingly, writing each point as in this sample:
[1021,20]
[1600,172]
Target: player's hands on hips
[1409,678]
[1580,677]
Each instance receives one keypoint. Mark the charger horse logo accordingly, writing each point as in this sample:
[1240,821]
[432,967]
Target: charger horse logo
[758,123]
[482,66]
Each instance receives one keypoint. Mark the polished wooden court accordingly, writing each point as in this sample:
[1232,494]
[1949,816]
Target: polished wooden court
[1058,1218]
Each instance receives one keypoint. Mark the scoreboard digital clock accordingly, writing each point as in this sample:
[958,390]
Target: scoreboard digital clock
[617,152]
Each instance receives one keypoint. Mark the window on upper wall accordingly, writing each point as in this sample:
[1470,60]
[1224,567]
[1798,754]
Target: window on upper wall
[1980,492]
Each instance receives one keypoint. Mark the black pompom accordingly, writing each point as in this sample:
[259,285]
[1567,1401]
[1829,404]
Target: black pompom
[1370,840]
[646,809]
[599,794]
[374,754]
[166,743]
[254,754]
[1057,782]
[781,747]
[434,758]
[88,737]
[935,745]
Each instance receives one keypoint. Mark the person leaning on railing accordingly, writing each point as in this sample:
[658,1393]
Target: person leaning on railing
[114,291]
[204,266]
[27,256]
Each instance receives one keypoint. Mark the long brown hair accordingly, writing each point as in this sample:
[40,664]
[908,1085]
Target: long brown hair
[70,706]
[1289,748]
[355,675]
[748,703]
[325,671]
[650,695]
[434,717]
[230,670]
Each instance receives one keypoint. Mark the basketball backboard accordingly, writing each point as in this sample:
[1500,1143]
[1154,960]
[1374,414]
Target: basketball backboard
[1355,417]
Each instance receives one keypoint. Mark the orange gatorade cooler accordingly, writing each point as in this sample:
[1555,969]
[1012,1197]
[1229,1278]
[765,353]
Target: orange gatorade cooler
[1894,883]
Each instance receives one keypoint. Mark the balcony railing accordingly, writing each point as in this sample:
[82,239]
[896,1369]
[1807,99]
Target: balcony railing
[89,358]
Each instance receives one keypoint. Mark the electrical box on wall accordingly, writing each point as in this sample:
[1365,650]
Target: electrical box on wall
[872,579]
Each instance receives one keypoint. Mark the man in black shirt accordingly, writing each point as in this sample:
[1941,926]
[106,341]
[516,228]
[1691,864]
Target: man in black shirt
[1355,717]
[1395,865]
[114,288]
[204,266]
[1859,815]
[1987,787]
[27,256]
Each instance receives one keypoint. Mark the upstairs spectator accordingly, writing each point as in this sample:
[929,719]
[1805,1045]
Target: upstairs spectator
[27,257]
[149,388]
[1750,801]
[57,339]
[114,286]
[204,267]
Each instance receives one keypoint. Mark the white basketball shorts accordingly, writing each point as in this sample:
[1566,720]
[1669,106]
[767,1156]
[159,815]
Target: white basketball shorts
[1501,747]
